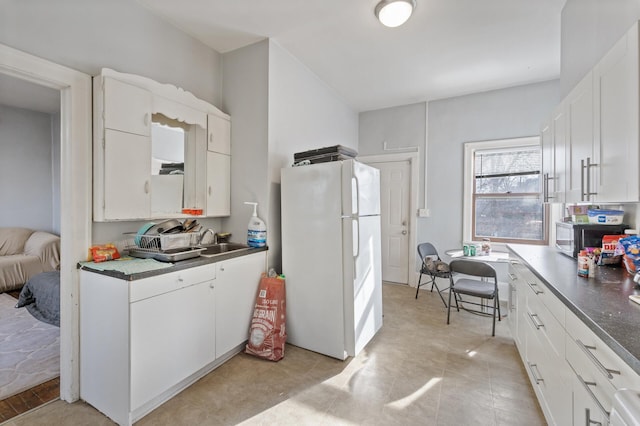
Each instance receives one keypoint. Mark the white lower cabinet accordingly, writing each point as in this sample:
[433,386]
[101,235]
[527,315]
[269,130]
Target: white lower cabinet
[599,372]
[573,372]
[545,355]
[236,292]
[161,328]
[143,341]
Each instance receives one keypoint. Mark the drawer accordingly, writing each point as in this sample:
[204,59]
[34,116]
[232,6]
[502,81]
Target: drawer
[542,292]
[153,286]
[609,365]
[593,382]
[545,326]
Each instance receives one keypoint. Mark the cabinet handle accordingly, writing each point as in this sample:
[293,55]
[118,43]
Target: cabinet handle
[537,324]
[587,416]
[146,186]
[210,137]
[209,190]
[593,396]
[180,279]
[222,268]
[513,277]
[587,350]
[545,187]
[582,191]
[586,169]
[535,373]
[532,285]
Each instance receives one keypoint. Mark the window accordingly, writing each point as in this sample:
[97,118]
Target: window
[505,191]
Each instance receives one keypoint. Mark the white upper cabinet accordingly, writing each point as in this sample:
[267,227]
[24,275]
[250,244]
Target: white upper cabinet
[558,127]
[599,124]
[150,151]
[617,119]
[218,184]
[218,166]
[579,140]
[219,134]
[129,107]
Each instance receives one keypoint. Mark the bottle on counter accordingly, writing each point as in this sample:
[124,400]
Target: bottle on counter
[583,264]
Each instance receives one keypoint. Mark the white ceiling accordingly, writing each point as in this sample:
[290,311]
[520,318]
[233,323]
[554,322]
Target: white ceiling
[447,48]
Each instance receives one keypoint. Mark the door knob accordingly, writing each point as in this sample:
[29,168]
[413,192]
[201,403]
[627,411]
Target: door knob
[404,232]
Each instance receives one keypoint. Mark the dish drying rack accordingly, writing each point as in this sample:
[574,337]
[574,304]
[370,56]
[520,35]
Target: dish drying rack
[163,247]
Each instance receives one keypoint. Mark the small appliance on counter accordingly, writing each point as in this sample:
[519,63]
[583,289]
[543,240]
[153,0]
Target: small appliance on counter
[573,237]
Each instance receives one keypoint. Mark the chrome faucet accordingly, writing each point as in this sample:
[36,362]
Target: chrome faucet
[213,234]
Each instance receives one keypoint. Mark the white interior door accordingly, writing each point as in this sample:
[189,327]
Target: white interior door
[395,179]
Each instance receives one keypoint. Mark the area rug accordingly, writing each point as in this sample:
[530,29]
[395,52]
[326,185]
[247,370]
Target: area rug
[29,349]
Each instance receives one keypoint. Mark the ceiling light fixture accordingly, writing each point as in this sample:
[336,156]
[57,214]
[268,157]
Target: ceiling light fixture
[393,13]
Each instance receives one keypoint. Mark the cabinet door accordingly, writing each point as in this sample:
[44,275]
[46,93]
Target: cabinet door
[127,173]
[559,154]
[218,184]
[126,108]
[236,290]
[548,159]
[219,134]
[579,143]
[616,136]
[172,337]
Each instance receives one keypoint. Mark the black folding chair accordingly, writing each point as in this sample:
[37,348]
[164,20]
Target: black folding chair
[430,262]
[484,286]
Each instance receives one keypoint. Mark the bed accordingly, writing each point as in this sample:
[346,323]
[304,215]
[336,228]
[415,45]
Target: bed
[41,296]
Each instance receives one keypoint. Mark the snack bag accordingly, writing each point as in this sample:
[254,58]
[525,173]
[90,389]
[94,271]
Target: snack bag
[267,335]
[609,255]
[102,253]
[631,257]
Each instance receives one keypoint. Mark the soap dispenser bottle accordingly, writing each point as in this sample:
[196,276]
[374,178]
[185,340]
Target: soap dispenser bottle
[256,230]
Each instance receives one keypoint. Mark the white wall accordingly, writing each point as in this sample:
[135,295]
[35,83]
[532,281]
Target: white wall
[245,98]
[400,127]
[589,29]
[88,35]
[304,113]
[27,178]
[499,114]
[278,107]
[118,34]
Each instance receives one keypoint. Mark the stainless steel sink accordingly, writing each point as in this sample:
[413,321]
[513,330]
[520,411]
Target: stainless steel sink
[222,248]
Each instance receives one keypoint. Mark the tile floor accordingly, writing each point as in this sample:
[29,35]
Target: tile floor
[417,370]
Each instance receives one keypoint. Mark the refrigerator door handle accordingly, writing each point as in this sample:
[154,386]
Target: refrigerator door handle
[355,190]
[355,227]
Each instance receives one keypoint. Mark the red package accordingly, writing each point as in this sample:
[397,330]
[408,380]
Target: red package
[267,334]
[104,252]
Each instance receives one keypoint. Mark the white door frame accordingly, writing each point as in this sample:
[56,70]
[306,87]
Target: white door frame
[75,193]
[414,166]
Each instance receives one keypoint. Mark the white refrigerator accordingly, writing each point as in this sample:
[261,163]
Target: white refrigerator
[331,256]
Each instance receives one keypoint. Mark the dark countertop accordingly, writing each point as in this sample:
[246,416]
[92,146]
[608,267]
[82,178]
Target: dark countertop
[178,266]
[602,302]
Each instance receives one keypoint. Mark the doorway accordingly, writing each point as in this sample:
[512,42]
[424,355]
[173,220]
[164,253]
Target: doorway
[398,201]
[75,192]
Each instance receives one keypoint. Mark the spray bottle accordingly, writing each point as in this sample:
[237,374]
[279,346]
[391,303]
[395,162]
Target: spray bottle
[256,230]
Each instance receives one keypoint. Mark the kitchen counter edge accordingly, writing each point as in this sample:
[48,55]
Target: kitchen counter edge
[177,266]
